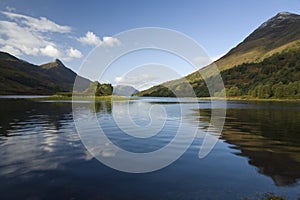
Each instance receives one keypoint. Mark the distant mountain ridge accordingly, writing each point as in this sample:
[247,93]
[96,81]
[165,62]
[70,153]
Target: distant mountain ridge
[20,77]
[275,45]
[124,90]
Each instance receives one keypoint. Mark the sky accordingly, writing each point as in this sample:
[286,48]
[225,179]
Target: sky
[40,31]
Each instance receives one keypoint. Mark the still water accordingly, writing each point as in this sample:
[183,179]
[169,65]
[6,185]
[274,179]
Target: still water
[42,156]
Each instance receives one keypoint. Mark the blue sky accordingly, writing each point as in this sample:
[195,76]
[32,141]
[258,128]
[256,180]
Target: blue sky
[69,30]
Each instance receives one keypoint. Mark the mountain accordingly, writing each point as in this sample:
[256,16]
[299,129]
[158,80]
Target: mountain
[124,90]
[269,56]
[63,76]
[20,77]
[278,33]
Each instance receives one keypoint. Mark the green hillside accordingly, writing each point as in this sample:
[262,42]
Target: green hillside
[277,76]
[278,33]
[265,65]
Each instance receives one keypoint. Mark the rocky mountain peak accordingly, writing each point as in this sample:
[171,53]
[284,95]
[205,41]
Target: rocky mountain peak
[279,19]
[56,63]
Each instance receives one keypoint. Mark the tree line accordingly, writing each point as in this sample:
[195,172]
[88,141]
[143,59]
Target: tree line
[277,76]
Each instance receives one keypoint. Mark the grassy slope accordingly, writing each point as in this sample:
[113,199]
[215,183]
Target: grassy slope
[275,37]
[280,67]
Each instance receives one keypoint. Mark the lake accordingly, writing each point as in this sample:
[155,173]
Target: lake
[43,157]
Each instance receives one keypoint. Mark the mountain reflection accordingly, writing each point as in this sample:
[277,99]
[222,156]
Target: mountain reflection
[39,136]
[269,138]
[36,136]
[42,136]
[16,113]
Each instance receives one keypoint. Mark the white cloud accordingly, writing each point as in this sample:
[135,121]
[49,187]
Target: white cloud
[50,51]
[24,35]
[145,76]
[41,24]
[17,34]
[74,53]
[118,79]
[19,40]
[132,79]
[110,41]
[11,50]
[90,39]
[140,81]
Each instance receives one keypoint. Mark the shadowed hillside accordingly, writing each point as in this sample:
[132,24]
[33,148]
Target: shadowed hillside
[20,77]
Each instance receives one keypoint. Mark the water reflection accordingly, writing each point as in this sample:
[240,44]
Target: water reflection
[42,156]
[34,136]
[269,137]
[20,113]
[16,114]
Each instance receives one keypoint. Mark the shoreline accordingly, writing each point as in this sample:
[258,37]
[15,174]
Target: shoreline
[243,98]
[67,98]
[115,97]
[86,98]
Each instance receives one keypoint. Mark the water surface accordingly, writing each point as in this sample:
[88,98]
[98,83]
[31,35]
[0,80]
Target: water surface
[42,156]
